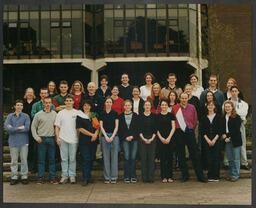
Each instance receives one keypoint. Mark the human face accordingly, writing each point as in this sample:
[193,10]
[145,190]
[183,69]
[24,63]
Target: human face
[63,88]
[184,99]
[228,108]
[148,79]
[30,94]
[103,82]
[230,83]
[47,103]
[108,103]
[156,90]
[135,92]
[213,82]
[86,108]
[147,106]
[211,107]
[69,102]
[188,90]
[234,93]
[209,97]
[172,97]
[44,94]
[125,79]
[127,106]
[193,80]
[91,88]
[18,107]
[171,80]
[51,86]
[115,91]
[77,86]
[164,106]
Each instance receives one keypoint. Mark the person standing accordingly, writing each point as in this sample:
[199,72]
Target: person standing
[125,89]
[165,131]
[211,131]
[241,110]
[51,86]
[231,82]
[77,90]
[192,99]
[137,102]
[145,90]
[104,90]
[128,134]
[60,98]
[17,124]
[147,133]
[88,134]
[171,79]
[67,140]
[109,141]
[118,102]
[155,98]
[173,100]
[29,101]
[231,134]
[196,89]
[43,132]
[186,120]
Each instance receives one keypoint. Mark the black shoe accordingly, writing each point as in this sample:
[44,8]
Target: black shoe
[203,180]
[24,181]
[13,181]
[245,167]
[85,183]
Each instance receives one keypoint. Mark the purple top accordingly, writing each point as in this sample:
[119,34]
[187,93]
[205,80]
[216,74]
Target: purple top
[190,116]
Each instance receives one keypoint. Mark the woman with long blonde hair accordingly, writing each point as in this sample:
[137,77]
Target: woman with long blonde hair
[231,82]
[155,98]
[77,90]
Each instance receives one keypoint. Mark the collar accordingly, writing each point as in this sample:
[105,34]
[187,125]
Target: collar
[214,90]
[47,112]
[172,88]
[238,100]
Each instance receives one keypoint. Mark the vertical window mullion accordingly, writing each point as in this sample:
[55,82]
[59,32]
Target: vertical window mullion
[60,31]
[40,35]
[18,34]
[146,32]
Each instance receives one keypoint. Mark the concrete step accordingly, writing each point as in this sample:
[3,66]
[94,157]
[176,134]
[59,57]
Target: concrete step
[98,175]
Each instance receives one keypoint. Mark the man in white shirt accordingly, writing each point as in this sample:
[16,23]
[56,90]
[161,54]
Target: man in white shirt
[67,139]
[242,110]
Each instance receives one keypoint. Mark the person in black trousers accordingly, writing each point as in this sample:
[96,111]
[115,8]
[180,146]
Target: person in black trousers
[128,135]
[211,131]
[165,130]
[147,133]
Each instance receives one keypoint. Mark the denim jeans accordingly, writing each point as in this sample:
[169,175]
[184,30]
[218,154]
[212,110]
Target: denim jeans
[130,152]
[110,158]
[23,152]
[68,159]
[47,145]
[87,152]
[233,156]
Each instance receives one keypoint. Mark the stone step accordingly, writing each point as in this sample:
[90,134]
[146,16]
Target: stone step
[98,175]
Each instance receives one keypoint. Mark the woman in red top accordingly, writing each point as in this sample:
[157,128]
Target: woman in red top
[118,103]
[155,98]
[77,90]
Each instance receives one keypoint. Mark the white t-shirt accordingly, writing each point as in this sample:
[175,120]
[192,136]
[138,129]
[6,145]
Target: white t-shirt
[136,106]
[144,92]
[66,121]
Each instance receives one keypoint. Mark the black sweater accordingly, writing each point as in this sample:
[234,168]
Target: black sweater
[211,129]
[124,131]
[125,92]
[147,125]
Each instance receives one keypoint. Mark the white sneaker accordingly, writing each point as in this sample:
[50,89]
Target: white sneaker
[63,181]
[72,180]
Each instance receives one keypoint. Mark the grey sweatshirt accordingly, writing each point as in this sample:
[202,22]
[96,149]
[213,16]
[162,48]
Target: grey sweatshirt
[43,124]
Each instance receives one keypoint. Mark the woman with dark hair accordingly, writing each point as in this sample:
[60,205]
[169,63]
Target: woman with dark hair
[88,130]
[231,134]
[77,90]
[110,142]
[147,133]
[165,130]
[145,90]
[104,90]
[137,102]
[173,99]
[51,86]
[211,131]
[209,96]
[196,89]
[118,103]
[128,134]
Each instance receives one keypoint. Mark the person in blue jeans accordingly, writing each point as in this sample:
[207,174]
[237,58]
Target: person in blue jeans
[88,134]
[17,124]
[231,123]
[110,141]
[128,134]
[43,132]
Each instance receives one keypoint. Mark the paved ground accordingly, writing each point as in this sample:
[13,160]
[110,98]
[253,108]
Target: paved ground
[191,192]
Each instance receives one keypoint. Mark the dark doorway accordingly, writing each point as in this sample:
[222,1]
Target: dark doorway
[17,77]
[136,71]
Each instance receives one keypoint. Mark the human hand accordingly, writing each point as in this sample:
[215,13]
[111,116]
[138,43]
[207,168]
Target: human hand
[21,127]
[39,140]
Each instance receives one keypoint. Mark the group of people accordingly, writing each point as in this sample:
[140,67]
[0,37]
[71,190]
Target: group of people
[154,122]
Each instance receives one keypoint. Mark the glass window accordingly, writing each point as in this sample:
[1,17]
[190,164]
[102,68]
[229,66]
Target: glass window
[66,14]
[160,45]
[77,35]
[66,7]
[55,14]
[118,13]
[182,5]
[140,12]
[161,13]
[34,34]
[13,16]
[45,50]
[192,6]
[151,13]
[55,7]
[130,13]
[6,7]
[77,6]
[173,41]
[192,33]
[33,7]
[45,7]
[172,6]
[13,7]
[151,6]
[140,6]
[108,6]
[23,15]
[5,16]
[118,6]
[172,13]
[183,30]
[161,6]
[24,7]
[66,41]
[77,14]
